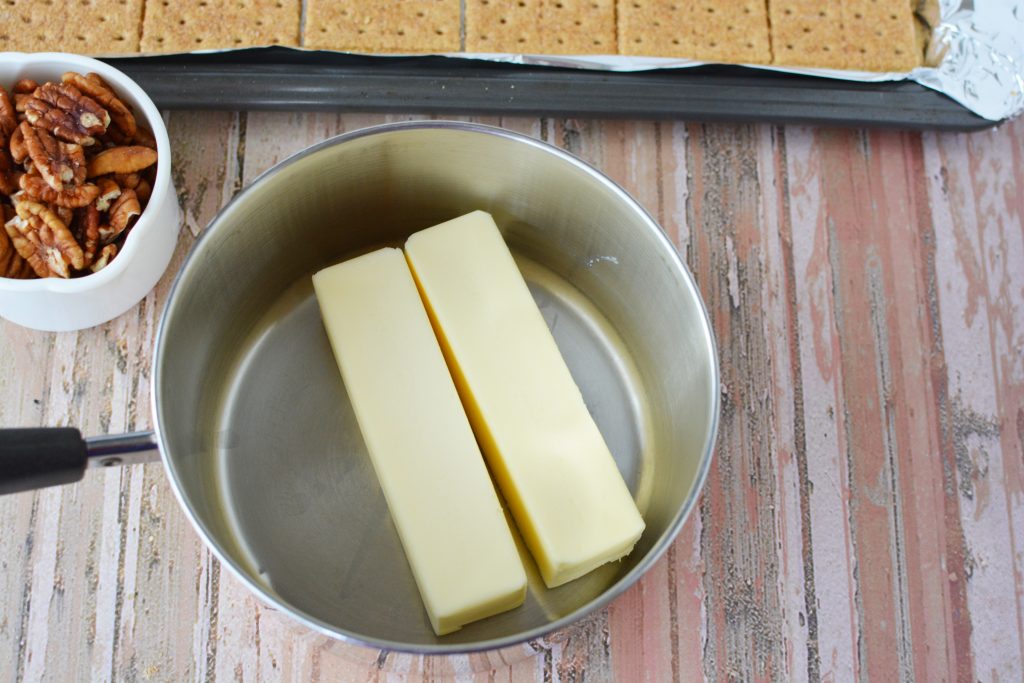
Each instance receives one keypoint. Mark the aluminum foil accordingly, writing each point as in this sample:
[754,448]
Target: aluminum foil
[978,47]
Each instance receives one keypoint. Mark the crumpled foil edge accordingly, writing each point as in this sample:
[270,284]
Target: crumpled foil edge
[978,49]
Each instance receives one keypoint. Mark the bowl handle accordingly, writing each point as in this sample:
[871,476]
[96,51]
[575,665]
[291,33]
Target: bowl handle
[34,458]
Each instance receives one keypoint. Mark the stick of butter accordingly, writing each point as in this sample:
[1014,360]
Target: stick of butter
[552,465]
[435,481]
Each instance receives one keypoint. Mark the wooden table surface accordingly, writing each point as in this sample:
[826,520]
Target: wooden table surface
[864,516]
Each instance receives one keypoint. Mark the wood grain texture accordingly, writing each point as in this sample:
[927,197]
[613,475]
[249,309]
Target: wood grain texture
[864,517]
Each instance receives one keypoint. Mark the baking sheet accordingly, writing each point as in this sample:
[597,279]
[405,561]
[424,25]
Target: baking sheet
[975,56]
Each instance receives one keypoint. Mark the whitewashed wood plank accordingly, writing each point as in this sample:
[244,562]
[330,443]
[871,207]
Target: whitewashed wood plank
[963,189]
[778,301]
[822,409]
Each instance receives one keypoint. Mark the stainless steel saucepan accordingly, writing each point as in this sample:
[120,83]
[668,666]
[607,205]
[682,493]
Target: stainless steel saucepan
[254,425]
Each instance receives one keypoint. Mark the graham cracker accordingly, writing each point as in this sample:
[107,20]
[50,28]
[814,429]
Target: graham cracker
[383,25]
[504,26]
[102,27]
[578,27]
[734,31]
[807,33]
[652,27]
[186,25]
[99,27]
[880,35]
[25,26]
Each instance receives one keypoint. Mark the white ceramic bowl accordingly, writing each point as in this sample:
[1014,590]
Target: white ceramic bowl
[56,304]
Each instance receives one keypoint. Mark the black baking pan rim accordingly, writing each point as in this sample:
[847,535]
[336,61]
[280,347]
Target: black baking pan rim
[275,78]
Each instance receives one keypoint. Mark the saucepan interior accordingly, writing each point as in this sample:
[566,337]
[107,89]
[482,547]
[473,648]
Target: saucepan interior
[257,431]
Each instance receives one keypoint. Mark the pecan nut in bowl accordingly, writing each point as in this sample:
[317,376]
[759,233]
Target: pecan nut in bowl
[42,239]
[144,136]
[143,191]
[10,173]
[121,160]
[8,115]
[108,192]
[127,181]
[72,197]
[59,163]
[21,103]
[103,260]
[124,209]
[66,112]
[63,213]
[12,265]
[17,147]
[93,86]
[85,226]
[25,86]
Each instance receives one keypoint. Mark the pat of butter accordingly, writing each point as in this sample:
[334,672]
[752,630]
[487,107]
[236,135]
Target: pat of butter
[422,447]
[545,451]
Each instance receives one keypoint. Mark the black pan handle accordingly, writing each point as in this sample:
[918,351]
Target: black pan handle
[34,458]
[38,457]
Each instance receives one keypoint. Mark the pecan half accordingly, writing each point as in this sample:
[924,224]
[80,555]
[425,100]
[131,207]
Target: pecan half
[128,180]
[98,80]
[44,240]
[121,214]
[26,86]
[19,152]
[93,86]
[107,255]
[143,190]
[62,109]
[113,138]
[65,214]
[109,191]
[121,160]
[86,229]
[10,173]
[103,143]
[58,162]
[72,196]
[144,136]
[12,265]
[149,174]
[8,115]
